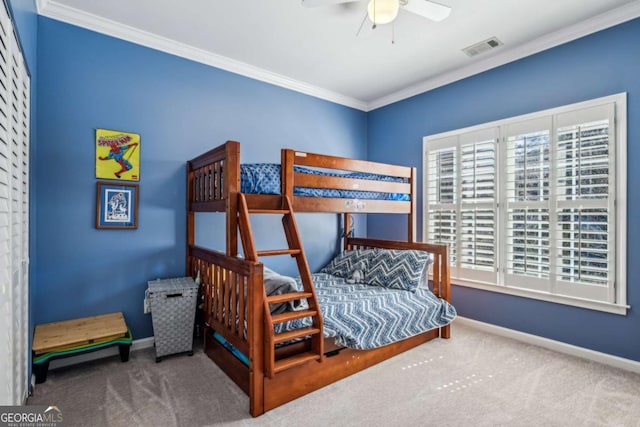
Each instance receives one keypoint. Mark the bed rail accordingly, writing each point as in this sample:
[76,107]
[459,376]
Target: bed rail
[291,179]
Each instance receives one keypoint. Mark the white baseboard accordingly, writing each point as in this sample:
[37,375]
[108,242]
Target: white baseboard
[560,347]
[99,354]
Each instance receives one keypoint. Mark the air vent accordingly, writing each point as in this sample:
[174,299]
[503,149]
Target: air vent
[483,46]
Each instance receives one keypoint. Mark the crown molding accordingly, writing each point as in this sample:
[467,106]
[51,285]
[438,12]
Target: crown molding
[597,23]
[41,5]
[60,12]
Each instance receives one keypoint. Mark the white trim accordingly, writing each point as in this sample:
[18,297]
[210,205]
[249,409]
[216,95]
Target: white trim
[544,296]
[70,15]
[57,11]
[597,23]
[100,354]
[621,197]
[560,347]
[41,5]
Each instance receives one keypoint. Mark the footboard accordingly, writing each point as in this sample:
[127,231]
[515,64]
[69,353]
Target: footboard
[233,297]
[441,273]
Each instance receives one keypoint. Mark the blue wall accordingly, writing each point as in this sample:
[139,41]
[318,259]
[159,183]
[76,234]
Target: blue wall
[601,64]
[181,109]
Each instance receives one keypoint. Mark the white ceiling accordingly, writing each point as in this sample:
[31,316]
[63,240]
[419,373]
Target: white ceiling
[316,51]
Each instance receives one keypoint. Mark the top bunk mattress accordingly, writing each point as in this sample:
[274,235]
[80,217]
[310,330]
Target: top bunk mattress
[264,178]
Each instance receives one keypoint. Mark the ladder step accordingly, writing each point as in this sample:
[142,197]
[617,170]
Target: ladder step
[290,362]
[292,315]
[269,211]
[296,333]
[273,252]
[277,299]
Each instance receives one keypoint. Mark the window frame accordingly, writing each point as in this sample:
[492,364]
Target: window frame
[619,102]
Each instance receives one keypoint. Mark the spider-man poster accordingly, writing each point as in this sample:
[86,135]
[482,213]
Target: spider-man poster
[117,155]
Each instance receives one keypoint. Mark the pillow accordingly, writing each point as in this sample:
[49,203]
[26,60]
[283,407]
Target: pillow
[350,265]
[398,269]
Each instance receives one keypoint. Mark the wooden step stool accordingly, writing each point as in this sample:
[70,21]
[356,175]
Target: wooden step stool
[71,337]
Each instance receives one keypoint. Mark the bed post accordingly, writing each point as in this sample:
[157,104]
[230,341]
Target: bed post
[414,203]
[190,217]
[286,174]
[445,287]
[255,337]
[347,230]
[231,175]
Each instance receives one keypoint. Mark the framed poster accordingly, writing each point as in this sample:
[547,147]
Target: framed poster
[117,155]
[117,205]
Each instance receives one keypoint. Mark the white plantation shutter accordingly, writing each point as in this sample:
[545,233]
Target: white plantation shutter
[461,185]
[558,231]
[478,214]
[585,195]
[551,180]
[527,166]
[14,216]
[442,183]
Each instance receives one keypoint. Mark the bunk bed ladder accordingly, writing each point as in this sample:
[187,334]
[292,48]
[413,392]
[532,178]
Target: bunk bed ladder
[295,250]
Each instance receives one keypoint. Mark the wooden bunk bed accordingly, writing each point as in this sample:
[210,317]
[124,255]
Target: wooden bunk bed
[235,306]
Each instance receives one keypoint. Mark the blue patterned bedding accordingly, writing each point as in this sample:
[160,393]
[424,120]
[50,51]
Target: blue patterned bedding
[264,178]
[363,316]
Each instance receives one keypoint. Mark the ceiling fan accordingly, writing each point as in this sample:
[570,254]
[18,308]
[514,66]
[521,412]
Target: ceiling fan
[385,11]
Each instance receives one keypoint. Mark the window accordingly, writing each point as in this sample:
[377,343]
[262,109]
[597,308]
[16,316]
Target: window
[535,205]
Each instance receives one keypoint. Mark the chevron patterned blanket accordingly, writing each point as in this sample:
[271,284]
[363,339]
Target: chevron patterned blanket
[363,316]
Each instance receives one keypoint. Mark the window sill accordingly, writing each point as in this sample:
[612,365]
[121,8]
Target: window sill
[542,296]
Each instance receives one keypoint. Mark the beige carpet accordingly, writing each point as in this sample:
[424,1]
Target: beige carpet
[474,379]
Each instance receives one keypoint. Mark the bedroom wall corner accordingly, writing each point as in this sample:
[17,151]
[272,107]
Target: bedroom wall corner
[601,64]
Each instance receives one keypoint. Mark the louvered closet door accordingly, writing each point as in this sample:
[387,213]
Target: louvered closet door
[14,217]
[6,300]
[23,328]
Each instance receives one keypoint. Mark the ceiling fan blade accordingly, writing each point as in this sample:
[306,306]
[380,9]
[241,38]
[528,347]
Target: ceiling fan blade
[428,9]
[316,3]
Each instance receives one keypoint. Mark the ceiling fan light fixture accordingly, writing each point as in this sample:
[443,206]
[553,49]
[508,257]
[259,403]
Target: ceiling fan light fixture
[383,11]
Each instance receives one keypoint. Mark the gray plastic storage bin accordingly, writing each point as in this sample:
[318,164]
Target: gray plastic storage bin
[173,309]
